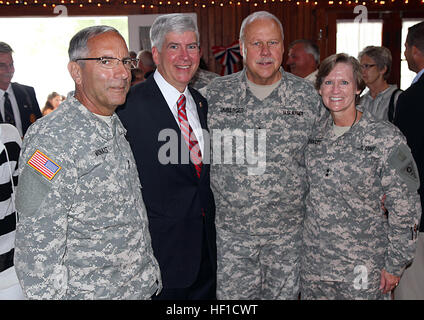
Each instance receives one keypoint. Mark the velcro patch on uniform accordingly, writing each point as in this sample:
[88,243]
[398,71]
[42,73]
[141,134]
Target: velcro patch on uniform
[44,165]
[402,160]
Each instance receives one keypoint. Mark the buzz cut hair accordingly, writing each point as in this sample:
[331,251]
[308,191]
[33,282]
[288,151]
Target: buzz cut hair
[5,48]
[78,44]
[258,15]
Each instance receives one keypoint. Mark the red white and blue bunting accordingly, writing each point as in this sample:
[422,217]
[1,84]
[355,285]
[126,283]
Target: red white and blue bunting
[228,57]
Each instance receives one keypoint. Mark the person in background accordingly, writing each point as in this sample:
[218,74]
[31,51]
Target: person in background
[18,104]
[133,54]
[303,59]
[83,231]
[136,76]
[352,248]
[380,100]
[408,118]
[145,63]
[10,146]
[180,204]
[260,201]
[53,101]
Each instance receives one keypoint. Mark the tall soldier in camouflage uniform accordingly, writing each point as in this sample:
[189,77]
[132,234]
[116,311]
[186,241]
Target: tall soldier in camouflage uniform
[352,248]
[260,206]
[83,230]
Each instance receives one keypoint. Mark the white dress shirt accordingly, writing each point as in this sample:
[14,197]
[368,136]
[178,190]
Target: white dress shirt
[171,95]
[15,108]
[417,76]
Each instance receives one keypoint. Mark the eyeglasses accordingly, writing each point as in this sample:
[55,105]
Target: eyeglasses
[110,63]
[367,66]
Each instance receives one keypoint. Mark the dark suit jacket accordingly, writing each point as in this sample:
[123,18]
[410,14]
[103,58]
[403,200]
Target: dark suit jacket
[27,103]
[174,196]
[409,119]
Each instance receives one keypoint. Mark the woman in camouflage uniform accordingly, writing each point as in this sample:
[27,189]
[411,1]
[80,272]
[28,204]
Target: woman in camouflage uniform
[353,248]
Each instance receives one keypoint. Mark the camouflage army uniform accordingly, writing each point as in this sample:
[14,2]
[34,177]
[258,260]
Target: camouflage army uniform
[84,233]
[202,78]
[254,209]
[348,239]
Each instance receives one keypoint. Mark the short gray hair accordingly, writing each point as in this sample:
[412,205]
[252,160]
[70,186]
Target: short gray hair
[5,48]
[310,47]
[146,57]
[175,22]
[382,57]
[258,16]
[78,44]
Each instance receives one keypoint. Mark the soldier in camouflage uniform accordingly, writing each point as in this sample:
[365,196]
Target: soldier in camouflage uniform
[202,78]
[353,248]
[260,206]
[83,230]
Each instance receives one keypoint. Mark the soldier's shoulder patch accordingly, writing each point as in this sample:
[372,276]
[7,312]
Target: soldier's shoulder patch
[44,165]
[402,160]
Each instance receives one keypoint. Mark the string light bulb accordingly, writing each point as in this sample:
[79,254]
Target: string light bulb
[204,4]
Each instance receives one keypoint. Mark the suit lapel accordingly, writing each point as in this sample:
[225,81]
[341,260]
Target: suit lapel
[200,109]
[163,116]
[159,108]
[20,96]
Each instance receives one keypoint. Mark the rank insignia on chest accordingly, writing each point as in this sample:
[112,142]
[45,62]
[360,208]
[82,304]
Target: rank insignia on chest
[44,165]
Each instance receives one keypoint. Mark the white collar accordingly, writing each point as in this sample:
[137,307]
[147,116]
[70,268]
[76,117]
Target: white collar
[169,92]
[8,90]
[418,76]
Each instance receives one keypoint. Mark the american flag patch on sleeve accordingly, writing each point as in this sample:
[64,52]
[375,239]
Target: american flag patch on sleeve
[43,164]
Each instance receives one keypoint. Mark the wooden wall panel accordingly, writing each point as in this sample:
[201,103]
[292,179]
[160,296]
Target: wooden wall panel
[220,25]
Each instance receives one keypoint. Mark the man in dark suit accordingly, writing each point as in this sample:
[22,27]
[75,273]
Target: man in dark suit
[167,131]
[18,104]
[409,118]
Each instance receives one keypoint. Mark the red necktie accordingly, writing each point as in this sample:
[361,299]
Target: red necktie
[189,136]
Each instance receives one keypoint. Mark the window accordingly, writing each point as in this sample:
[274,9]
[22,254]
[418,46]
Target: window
[352,37]
[40,48]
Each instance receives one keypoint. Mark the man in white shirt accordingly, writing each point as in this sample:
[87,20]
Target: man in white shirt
[166,127]
[18,104]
